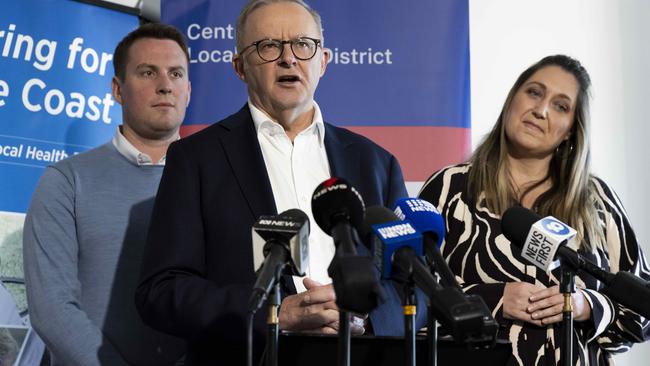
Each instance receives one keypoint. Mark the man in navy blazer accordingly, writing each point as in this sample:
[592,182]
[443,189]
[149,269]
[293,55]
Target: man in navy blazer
[198,271]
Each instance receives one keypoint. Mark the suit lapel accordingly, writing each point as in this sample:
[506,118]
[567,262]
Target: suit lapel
[344,162]
[245,157]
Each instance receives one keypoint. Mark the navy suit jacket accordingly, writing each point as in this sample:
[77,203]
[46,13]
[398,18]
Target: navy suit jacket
[197,272]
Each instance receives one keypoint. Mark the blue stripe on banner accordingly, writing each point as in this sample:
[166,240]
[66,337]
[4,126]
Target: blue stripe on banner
[391,62]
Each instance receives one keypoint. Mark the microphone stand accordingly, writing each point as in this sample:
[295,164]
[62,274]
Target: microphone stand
[355,284]
[567,287]
[432,336]
[273,323]
[344,338]
[410,309]
[432,329]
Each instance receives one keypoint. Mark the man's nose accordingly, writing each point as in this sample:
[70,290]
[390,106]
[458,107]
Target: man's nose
[287,57]
[164,85]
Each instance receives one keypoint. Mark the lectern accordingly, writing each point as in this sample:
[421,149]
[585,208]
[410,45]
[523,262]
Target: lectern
[297,349]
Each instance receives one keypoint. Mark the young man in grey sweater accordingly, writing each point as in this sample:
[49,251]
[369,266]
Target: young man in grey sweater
[88,219]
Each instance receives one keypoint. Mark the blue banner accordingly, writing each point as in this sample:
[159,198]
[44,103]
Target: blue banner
[55,94]
[399,72]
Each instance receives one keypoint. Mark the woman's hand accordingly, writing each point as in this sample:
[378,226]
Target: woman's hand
[516,301]
[541,306]
[546,306]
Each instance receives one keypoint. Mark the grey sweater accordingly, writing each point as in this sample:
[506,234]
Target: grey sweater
[83,241]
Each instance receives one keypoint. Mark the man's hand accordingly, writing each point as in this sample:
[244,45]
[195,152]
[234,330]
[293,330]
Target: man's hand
[314,310]
[546,305]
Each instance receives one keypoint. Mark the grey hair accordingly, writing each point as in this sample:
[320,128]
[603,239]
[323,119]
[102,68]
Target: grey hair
[254,4]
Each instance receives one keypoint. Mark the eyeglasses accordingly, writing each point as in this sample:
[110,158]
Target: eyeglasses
[304,48]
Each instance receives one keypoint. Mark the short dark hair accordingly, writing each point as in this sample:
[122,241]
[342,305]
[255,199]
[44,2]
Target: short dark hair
[149,30]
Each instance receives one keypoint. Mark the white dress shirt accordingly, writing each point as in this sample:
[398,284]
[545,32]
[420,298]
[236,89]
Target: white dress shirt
[132,154]
[295,169]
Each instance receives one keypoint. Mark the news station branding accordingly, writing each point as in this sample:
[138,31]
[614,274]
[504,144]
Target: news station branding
[391,236]
[269,227]
[292,233]
[415,205]
[397,230]
[332,184]
[335,184]
[418,205]
[555,226]
[544,238]
[279,223]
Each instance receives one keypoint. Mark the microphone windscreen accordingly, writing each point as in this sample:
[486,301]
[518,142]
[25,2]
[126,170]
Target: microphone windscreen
[384,233]
[375,215]
[297,214]
[516,223]
[423,215]
[335,199]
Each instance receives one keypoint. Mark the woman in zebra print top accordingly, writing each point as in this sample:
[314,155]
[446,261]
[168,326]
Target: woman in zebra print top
[537,155]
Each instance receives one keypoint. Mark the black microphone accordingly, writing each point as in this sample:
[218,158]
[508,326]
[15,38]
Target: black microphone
[544,239]
[338,209]
[284,239]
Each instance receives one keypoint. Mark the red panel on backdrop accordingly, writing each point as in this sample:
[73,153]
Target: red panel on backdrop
[421,150]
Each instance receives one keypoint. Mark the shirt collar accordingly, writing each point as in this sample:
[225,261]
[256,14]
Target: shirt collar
[129,151]
[262,120]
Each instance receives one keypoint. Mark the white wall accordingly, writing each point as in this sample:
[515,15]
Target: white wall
[611,39]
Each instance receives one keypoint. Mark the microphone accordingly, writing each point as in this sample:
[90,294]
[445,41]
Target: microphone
[544,239]
[384,234]
[398,250]
[284,239]
[539,238]
[428,221]
[338,210]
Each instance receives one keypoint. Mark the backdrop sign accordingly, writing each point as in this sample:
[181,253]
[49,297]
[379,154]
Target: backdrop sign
[398,74]
[55,96]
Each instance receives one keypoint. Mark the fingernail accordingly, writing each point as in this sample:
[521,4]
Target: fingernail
[534,315]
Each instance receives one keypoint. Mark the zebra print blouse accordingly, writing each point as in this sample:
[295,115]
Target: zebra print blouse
[484,261]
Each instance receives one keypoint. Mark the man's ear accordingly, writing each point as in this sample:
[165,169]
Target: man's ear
[238,66]
[324,61]
[116,89]
[189,94]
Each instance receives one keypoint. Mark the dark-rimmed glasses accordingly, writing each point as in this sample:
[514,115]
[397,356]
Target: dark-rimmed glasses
[303,48]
